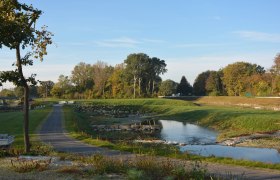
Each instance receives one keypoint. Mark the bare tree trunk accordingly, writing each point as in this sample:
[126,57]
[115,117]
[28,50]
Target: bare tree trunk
[153,89]
[26,102]
[148,87]
[134,86]
[139,81]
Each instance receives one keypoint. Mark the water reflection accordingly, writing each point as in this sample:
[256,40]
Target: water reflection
[254,154]
[201,141]
[186,133]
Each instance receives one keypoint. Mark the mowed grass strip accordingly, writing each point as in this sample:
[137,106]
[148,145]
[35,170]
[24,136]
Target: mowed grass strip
[12,123]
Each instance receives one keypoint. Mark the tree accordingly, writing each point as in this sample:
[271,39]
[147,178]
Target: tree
[184,87]
[7,93]
[199,86]
[82,77]
[17,31]
[167,88]
[101,72]
[156,68]
[118,82]
[234,76]
[44,90]
[63,88]
[275,72]
[213,85]
[136,66]
[144,70]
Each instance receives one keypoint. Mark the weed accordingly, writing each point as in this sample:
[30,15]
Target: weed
[24,165]
[102,164]
[134,174]
[70,170]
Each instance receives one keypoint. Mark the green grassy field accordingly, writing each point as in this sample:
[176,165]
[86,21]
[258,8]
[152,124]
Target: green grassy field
[12,123]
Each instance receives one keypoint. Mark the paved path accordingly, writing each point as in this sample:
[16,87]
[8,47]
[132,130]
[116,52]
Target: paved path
[52,132]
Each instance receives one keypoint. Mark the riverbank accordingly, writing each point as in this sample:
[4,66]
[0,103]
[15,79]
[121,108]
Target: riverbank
[230,122]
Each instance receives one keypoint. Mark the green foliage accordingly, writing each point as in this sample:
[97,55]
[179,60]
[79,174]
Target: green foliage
[63,88]
[167,88]
[199,85]
[7,93]
[44,90]
[234,76]
[184,87]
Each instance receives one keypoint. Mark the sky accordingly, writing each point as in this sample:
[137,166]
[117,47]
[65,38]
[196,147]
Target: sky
[192,36]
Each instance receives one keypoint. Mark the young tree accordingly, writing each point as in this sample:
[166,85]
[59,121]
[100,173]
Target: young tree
[17,31]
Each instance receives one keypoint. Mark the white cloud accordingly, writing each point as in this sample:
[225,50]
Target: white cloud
[153,40]
[118,42]
[126,42]
[196,45]
[259,36]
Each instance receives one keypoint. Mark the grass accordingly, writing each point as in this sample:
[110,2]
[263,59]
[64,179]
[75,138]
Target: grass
[233,100]
[230,121]
[12,123]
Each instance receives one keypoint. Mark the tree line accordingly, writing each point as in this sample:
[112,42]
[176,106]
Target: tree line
[240,79]
[139,76]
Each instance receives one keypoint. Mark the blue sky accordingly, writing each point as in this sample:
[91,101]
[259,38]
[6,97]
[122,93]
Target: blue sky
[190,35]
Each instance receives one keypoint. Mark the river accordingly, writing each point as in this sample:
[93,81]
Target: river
[202,141]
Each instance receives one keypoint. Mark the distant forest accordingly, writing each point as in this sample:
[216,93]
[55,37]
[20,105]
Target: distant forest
[139,77]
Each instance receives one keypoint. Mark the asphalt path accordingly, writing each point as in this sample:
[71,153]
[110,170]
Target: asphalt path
[54,134]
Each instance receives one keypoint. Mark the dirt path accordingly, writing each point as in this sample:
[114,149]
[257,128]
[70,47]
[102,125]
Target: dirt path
[52,132]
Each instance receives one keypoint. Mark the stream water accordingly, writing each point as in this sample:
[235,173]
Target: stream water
[202,141]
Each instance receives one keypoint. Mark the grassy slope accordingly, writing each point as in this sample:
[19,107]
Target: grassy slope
[233,100]
[179,110]
[229,121]
[12,123]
